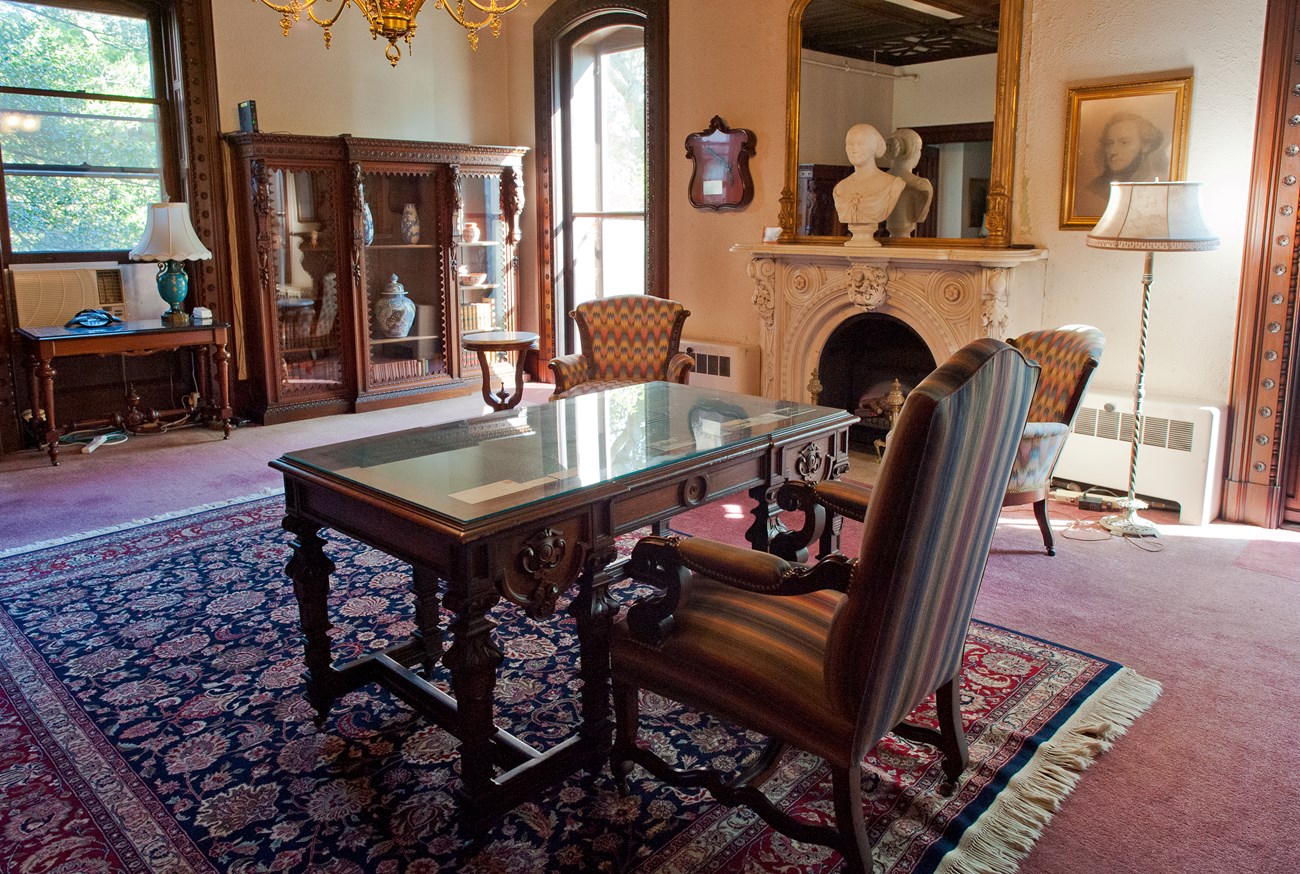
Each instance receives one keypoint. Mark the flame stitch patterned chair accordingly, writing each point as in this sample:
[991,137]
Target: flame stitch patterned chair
[830,657]
[1067,356]
[625,339]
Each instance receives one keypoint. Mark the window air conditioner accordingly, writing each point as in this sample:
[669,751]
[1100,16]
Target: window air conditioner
[51,297]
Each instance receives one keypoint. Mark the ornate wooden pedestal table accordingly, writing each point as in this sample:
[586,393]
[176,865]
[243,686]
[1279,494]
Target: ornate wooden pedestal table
[484,342]
[521,504]
[43,345]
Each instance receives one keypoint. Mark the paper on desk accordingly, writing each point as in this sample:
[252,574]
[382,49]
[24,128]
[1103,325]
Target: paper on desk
[501,488]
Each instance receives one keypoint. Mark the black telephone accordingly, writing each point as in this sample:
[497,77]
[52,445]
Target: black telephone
[93,319]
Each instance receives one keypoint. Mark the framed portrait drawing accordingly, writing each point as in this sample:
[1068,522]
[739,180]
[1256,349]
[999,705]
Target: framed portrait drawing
[720,173]
[1134,132]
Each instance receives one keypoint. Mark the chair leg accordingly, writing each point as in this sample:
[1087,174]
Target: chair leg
[627,713]
[849,820]
[1040,511]
[952,735]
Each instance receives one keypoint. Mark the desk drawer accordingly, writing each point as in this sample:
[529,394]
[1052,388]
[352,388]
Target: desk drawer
[687,492]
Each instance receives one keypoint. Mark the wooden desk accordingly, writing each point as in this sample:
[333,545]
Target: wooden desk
[520,504]
[43,345]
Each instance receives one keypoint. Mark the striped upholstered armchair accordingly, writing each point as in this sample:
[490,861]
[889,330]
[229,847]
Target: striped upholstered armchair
[1067,357]
[625,339]
[829,658]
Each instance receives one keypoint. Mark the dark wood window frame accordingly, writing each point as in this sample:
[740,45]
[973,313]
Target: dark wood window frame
[189,74]
[562,24]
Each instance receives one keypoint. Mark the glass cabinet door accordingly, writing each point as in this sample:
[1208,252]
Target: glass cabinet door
[482,264]
[304,243]
[402,279]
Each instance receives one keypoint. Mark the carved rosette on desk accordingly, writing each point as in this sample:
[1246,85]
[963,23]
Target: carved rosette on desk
[546,564]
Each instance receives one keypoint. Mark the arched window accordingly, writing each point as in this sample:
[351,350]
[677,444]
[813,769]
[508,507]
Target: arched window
[601,83]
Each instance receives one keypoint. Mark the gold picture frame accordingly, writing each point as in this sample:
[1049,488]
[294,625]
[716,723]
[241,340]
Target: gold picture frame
[1129,132]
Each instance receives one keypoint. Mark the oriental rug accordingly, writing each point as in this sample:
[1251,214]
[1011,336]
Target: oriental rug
[152,720]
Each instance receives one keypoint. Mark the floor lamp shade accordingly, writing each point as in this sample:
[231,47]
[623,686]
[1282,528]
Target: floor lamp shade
[1150,217]
[1153,217]
[169,238]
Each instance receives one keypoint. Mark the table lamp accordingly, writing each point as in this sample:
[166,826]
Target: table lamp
[1149,217]
[169,238]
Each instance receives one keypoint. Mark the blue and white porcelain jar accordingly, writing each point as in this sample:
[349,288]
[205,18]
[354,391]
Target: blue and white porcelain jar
[410,224]
[394,312]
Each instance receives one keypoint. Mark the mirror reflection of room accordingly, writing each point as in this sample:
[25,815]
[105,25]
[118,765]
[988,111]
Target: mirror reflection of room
[899,65]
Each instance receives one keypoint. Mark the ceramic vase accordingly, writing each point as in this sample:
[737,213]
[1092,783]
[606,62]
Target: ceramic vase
[367,224]
[470,232]
[394,311]
[410,224]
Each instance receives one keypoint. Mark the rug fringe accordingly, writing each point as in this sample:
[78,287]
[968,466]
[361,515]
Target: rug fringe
[1004,834]
[267,492]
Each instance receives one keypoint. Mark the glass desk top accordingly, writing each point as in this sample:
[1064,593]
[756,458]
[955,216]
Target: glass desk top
[476,468]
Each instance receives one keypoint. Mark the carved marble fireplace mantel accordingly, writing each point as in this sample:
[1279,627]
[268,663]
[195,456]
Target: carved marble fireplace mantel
[949,296]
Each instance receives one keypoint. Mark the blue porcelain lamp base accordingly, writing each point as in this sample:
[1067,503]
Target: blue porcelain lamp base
[173,286]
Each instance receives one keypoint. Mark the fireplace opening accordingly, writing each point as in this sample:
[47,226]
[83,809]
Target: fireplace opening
[859,364]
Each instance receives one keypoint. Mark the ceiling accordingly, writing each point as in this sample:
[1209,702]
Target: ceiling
[896,35]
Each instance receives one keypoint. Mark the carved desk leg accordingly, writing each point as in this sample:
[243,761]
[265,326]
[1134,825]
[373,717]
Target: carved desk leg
[427,618]
[310,571]
[222,358]
[472,659]
[593,611]
[44,373]
[767,519]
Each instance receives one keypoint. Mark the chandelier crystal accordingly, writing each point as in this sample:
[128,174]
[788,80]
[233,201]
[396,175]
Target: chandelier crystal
[395,19]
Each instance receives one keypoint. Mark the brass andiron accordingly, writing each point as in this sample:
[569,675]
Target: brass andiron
[894,403]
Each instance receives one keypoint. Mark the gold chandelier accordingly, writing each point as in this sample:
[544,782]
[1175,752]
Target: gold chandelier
[395,19]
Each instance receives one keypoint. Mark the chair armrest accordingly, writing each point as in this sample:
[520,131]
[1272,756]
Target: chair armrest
[680,367]
[847,499]
[1040,445]
[672,562]
[569,370]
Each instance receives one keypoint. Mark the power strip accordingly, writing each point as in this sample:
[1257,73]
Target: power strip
[1093,503]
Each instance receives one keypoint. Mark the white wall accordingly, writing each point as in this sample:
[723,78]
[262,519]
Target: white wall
[1193,320]
[1195,294]
[441,91]
[739,72]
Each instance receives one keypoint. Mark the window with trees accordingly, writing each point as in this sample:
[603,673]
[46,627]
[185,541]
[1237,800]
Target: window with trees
[83,126]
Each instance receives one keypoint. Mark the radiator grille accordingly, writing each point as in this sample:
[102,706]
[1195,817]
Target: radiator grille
[712,365]
[1175,434]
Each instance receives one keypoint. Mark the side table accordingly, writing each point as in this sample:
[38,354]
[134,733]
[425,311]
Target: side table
[484,342]
[43,345]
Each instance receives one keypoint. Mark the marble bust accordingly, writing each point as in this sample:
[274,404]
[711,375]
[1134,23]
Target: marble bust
[904,148]
[866,196]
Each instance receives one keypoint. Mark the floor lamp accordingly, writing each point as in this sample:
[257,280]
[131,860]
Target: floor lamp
[1150,217]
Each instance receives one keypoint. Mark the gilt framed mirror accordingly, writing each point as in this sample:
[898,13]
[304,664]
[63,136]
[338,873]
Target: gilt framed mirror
[945,68]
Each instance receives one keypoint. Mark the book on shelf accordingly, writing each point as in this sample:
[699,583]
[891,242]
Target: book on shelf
[475,317]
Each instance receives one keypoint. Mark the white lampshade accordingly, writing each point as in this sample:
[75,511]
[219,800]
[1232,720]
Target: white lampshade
[1153,217]
[169,236]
